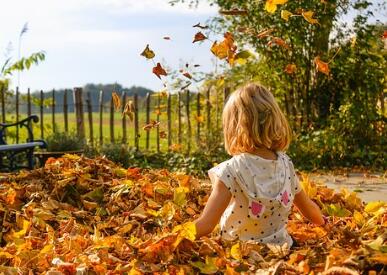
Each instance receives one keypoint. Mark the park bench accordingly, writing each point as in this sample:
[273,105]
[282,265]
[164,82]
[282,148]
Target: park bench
[11,155]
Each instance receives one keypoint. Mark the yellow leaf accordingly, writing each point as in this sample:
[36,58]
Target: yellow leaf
[309,188]
[271,5]
[199,119]
[373,206]
[23,231]
[46,249]
[359,218]
[308,16]
[236,252]
[148,53]
[209,267]
[179,195]
[285,15]
[186,230]
[351,199]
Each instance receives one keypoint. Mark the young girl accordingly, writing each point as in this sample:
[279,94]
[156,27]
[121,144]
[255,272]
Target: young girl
[253,191]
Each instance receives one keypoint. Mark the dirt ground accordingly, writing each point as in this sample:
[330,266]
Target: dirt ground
[369,186]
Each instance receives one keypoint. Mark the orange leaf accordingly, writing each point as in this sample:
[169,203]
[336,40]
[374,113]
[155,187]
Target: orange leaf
[200,26]
[233,12]
[199,119]
[278,41]
[290,68]
[321,66]
[199,37]
[159,70]
[148,53]
[225,49]
[116,100]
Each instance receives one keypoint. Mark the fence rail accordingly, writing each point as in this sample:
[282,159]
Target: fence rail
[183,120]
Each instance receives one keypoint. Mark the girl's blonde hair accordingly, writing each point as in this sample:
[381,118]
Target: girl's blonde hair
[252,119]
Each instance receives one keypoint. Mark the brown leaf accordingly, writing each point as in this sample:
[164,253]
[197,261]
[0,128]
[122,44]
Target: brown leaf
[200,26]
[264,33]
[116,101]
[233,12]
[159,71]
[166,38]
[187,75]
[199,36]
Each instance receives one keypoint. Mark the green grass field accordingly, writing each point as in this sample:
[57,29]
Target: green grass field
[118,130]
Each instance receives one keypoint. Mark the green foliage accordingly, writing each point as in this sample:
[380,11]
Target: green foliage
[198,163]
[61,142]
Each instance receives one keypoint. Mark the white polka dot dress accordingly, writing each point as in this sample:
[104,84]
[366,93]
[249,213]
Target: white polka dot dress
[262,195]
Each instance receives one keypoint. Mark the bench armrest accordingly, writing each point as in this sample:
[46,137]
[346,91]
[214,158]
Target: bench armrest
[22,123]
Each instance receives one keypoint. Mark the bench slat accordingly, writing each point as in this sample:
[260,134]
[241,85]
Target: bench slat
[21,146]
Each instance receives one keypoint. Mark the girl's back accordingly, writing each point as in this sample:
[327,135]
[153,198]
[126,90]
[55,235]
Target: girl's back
[262,194]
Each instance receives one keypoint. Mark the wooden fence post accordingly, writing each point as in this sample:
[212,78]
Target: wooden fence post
[29,111]
[169,121]
[3,91]
[65,111]
[188,122]
[17,113]
[90,116]
[100,117]
[78,100]
[158,127]
[179,117]
[123,100]
[198,119]
[208,113]
[147,119]
[136,134]
[41,115]
[53,111]
[111,120]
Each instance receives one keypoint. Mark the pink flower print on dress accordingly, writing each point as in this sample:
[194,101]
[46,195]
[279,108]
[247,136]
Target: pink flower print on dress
[285,198]
[256,208]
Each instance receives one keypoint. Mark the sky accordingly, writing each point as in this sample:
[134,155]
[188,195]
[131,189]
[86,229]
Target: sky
[100,41]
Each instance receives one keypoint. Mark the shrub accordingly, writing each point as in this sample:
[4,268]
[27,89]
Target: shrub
[61,142]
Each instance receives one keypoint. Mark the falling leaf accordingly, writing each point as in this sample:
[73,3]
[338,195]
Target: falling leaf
[199,36]
[321,66]
[242,56]
[151,125]
[271,5]
[159,71]
[129,110]
[116,101]
[290,68]
[187,75]
[167,38]
[198,25]
[175,147]
[148,53]
[199,119]
[163,134]
[225,49]
[285,15]
[278,41]
[308,16]
[196,65]
[233,12]
[264,33]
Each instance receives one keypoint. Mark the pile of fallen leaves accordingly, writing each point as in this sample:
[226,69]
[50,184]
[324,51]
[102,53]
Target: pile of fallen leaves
[89,216]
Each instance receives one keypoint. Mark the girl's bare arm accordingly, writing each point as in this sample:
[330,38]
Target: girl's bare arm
[215,206]
[308,208]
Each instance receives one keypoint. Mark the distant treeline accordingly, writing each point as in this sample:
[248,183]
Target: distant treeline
[94,90]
